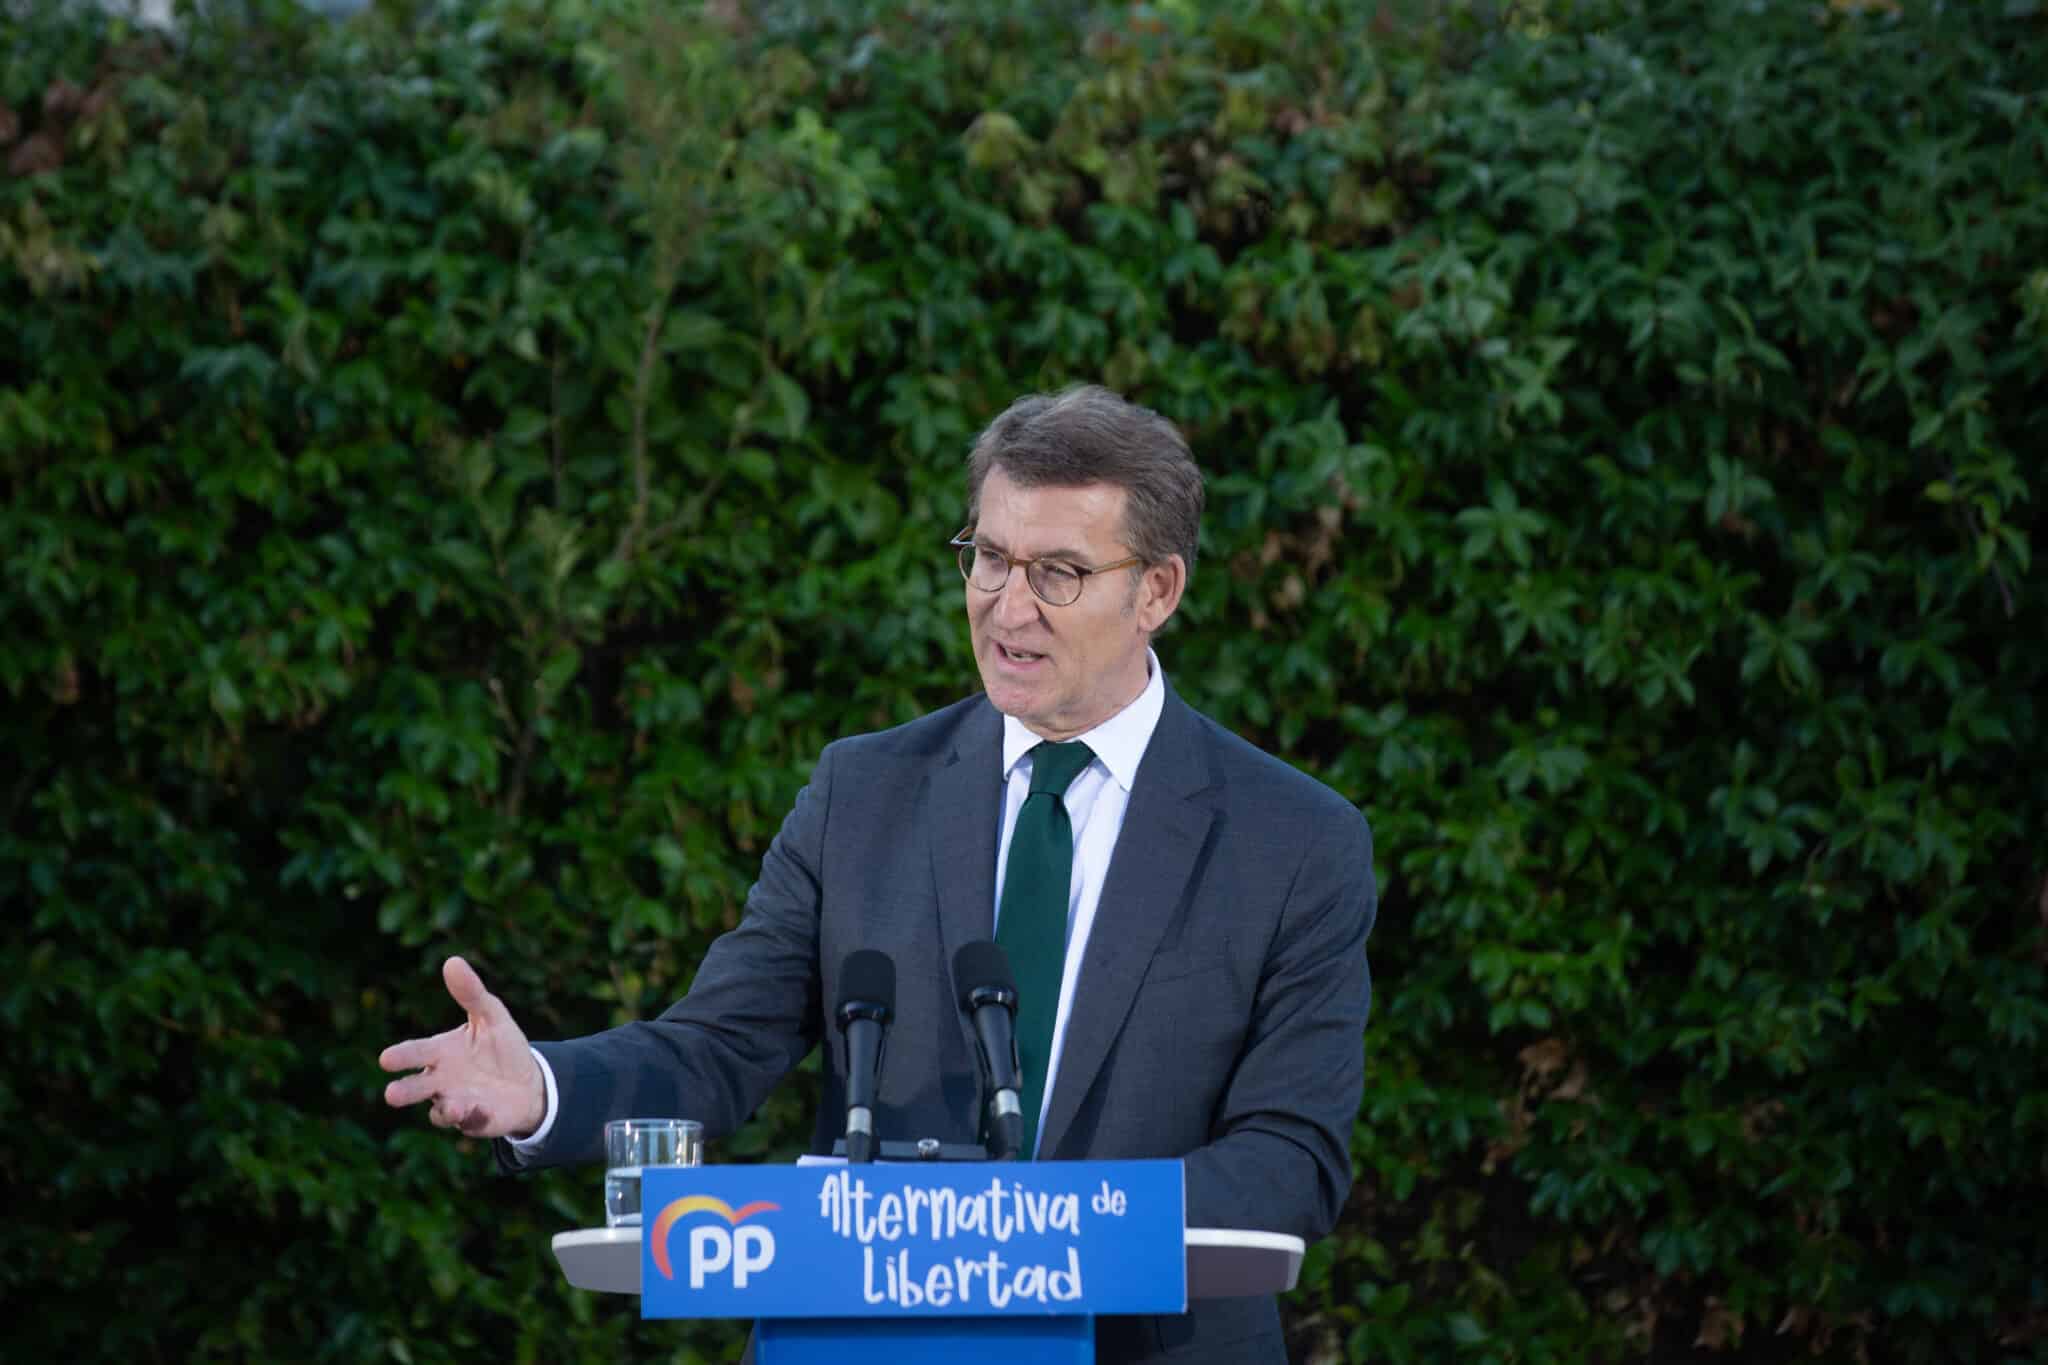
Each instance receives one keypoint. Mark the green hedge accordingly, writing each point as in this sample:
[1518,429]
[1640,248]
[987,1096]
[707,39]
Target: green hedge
[462,464]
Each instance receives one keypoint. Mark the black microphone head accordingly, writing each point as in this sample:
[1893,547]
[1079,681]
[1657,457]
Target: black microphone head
[983,968]
[867,985]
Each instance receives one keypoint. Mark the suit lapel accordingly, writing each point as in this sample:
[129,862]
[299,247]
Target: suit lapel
[966,792]
[1163,834]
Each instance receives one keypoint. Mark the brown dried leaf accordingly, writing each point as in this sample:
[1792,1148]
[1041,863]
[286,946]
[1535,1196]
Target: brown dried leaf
[2022,1329]
[1641,1329]
[42,152]
[64,686]
[62,98]
[1542,1060]
[1759,1118]
[1798,1320]
[1719,1328]
[742,693]
[1503,1148]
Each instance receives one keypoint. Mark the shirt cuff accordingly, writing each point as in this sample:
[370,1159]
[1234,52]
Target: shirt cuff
[529,1144]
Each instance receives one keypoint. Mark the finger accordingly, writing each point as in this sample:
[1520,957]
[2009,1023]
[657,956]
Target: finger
[465,985]
[421,1085]
[412,1054]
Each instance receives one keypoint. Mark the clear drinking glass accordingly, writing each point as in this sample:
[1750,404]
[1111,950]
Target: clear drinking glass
[629,1145]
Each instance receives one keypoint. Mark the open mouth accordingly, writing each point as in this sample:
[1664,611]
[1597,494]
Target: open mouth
[1017,656]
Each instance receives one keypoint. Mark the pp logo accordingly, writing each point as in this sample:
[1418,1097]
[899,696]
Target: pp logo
[740,1252]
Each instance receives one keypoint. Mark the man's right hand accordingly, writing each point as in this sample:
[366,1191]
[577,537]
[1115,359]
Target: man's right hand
[482,1077]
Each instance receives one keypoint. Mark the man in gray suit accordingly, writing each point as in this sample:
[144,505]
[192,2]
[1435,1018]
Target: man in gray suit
[1204,994]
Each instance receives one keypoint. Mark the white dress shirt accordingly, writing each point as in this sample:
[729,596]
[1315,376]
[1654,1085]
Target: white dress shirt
[1095,808]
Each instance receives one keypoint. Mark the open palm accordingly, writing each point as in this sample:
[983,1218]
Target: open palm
[481,1077]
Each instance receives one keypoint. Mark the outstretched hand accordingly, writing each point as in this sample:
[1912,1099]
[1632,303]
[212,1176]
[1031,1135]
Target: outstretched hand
[481,1077]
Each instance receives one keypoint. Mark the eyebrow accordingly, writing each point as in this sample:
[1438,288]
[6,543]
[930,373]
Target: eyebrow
[1075,556]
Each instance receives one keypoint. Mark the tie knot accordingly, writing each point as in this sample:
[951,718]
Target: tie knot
[1055,766]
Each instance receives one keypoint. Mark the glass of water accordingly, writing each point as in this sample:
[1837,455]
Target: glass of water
[629,1145]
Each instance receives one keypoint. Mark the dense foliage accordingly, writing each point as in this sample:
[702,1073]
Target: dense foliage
[462,464]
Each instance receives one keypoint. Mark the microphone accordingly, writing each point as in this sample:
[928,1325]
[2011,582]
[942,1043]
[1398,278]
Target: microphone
[867,997]
[989,992]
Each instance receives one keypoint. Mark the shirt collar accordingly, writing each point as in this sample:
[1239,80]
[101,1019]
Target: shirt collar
[1119,742]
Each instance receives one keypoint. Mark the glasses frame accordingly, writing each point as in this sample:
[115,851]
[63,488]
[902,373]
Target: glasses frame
[964,544]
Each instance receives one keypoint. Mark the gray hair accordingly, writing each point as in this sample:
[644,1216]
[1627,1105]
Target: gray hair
[1086,434]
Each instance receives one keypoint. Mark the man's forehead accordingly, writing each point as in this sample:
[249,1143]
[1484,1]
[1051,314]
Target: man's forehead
[1049,517]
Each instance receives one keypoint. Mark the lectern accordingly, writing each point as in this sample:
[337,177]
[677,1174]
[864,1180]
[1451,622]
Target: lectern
[922,1261]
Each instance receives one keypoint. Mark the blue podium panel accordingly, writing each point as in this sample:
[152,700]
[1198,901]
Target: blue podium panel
[914,1241]
[924,1341]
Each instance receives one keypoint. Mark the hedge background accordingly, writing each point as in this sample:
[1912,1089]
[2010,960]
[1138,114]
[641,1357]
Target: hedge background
[463,463]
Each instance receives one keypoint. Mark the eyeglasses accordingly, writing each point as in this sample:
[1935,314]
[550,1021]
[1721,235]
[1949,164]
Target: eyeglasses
[1057,583]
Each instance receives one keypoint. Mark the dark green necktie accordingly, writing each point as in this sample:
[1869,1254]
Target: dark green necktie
[1032,925]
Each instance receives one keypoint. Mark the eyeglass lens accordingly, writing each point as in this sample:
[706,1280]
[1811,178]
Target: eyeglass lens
[989,570]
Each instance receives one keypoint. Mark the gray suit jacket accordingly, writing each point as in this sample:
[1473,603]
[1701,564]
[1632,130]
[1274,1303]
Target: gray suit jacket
[1219,1013]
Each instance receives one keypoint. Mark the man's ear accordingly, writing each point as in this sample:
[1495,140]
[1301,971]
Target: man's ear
[1159,588]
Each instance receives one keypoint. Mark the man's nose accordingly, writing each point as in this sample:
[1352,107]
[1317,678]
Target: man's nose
[1016,604]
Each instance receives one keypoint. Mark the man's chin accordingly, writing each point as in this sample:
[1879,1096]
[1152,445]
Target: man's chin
[1007,699]
[1010,699]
